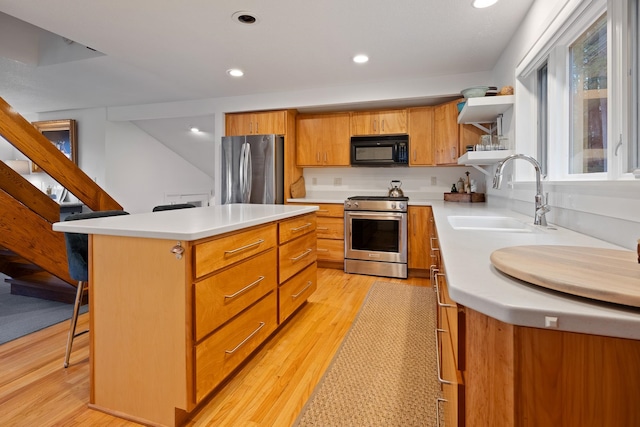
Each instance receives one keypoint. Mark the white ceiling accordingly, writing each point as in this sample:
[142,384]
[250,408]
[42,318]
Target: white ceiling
[168,50]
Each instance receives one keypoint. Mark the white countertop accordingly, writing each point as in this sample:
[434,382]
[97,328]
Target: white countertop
[185,224]
[475,283]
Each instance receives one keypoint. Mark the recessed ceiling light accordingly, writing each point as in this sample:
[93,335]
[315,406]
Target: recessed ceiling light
[360,59]
[244,17]
[195,129]
[235,72]
[481,4]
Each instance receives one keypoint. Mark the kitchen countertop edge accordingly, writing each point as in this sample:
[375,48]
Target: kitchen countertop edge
[185,224]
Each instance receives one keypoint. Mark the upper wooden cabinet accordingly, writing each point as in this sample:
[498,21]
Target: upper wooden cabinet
[268,122]
[322,139]
[445,133]
[379,122]
[421,136]
[451,139]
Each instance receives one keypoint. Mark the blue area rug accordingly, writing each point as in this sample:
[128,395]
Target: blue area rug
[21,315]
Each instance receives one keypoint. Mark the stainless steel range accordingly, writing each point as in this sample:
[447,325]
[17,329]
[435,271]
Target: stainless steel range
[376,236]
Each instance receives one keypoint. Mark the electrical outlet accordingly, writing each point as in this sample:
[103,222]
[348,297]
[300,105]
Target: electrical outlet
[337,181]
[314,181]
[434,180]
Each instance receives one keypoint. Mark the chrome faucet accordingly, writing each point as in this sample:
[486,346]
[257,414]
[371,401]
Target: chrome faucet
[541,208]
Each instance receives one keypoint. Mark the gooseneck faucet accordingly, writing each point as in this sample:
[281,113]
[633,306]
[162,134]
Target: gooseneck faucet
[541,207]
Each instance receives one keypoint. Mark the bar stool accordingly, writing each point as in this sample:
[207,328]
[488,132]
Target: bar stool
[174,206]
[77,258]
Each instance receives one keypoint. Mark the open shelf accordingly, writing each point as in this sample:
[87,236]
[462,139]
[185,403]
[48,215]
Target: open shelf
[485,109]
[477,159]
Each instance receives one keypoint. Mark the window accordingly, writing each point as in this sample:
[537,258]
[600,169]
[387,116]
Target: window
[581,81]
[588,100]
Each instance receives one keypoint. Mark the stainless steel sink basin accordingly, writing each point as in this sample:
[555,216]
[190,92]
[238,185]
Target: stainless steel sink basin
[489,223]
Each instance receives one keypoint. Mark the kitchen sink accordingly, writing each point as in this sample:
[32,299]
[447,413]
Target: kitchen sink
[489,223]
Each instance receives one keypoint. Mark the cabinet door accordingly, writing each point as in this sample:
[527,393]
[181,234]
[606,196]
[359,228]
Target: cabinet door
[362,123]
[322,140]
[237,124]
[392,122]
[419,245]
[421,136]
[446,133]
[269,122]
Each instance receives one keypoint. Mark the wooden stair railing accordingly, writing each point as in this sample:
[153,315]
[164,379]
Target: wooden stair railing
[30,142]
[26,213]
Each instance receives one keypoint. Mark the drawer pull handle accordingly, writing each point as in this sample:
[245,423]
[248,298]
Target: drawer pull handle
[244,248]
[304,254]
[246,288]
[438,400]
[322,228]
[309,283]
[302,227]
[440,303]
[244,341]
[442,380]
[322,250]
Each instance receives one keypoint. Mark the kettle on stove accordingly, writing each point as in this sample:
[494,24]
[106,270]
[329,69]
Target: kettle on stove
[395,190]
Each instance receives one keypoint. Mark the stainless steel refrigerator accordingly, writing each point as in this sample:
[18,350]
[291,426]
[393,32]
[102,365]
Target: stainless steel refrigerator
[252,169]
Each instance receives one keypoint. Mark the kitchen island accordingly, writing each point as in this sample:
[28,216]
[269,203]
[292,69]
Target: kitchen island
[179,299]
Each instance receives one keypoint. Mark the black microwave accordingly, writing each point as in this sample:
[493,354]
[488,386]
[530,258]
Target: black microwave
[392,150]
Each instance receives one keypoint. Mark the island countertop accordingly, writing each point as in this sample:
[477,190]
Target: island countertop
[185,224]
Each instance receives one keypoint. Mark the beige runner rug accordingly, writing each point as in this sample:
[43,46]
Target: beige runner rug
[384,373]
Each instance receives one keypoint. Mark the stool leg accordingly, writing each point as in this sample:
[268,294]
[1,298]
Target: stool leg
[74,321]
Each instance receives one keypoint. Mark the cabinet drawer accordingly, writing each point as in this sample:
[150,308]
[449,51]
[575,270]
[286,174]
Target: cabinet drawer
[330,250]
[333,210]
[330,228]
[215,254]
[217,356]
[220,297]
[296,255]
[296,227]
[295,291]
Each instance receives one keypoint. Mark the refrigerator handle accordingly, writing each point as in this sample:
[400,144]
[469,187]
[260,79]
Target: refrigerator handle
[241,170]
[249,172]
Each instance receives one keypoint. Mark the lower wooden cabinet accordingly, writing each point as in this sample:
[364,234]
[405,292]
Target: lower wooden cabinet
[220,297]
[294,292]
[419,249]
[330,233]
[217,356]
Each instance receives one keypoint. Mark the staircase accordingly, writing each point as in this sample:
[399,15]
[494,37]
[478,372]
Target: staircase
[31,253]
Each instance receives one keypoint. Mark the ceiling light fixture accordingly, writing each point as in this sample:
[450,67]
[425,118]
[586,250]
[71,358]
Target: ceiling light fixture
[481,4]
[244,17]
[195,129]
[235,72]
[360,59]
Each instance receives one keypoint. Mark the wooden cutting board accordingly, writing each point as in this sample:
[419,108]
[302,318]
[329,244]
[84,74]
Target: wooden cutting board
[603,274]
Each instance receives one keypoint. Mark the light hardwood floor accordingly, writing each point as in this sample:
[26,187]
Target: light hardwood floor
[269,390]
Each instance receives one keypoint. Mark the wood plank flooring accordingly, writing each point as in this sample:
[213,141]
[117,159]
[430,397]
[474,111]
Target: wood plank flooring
[269,390]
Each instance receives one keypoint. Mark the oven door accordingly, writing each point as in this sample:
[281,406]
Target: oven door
[376,236]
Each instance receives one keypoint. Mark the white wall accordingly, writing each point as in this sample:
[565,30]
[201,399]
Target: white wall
[143,173]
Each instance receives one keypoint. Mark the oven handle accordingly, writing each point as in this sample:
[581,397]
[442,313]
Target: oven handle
[383,215]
